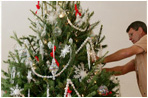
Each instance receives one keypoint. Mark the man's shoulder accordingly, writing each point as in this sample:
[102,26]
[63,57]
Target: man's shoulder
[142,40]
[142,43]
[144,37]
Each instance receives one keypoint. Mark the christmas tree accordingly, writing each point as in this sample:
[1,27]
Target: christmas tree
[56,61]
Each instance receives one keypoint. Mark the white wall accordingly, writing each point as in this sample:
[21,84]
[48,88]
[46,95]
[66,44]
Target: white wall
[114,15]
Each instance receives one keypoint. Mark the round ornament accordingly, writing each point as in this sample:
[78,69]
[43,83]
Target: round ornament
[50,45]
[57,31]
[61,15]
[102,90]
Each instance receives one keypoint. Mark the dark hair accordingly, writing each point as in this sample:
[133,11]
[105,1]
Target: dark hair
[135,25]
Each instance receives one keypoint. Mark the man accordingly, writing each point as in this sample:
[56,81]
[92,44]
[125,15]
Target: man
[137,32]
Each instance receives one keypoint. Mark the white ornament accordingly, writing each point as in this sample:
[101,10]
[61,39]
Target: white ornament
[80,72]
[29,77]
[92,49]
[50,45]
[48,63]
[65,51]
[70,40]
[52,18]
[41,49]
[16,91]
[88,55]
[57,31]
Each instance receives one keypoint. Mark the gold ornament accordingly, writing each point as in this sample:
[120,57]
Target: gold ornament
[62,14]
[76,40]
[45,41]
[33,64]
[82,95]
[95,82]
[67,12]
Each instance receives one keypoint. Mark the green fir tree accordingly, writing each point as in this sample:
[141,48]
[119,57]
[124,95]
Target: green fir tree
[43,63]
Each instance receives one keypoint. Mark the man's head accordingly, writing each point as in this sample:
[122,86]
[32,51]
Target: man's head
[136,30]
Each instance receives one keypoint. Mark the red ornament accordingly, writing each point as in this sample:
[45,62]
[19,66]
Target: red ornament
[77,11]
[37,58]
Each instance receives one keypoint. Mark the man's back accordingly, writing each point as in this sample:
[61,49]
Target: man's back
[141,66]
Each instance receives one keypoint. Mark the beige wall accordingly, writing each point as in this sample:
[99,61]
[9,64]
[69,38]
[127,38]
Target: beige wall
[115,17]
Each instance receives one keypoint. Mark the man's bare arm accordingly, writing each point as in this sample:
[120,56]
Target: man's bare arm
[123,53]
[130,66]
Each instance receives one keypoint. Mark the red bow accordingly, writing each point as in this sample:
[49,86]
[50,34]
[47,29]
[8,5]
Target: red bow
[37,58]
[77,11]
[51,54]
[68,91]
[38,7]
